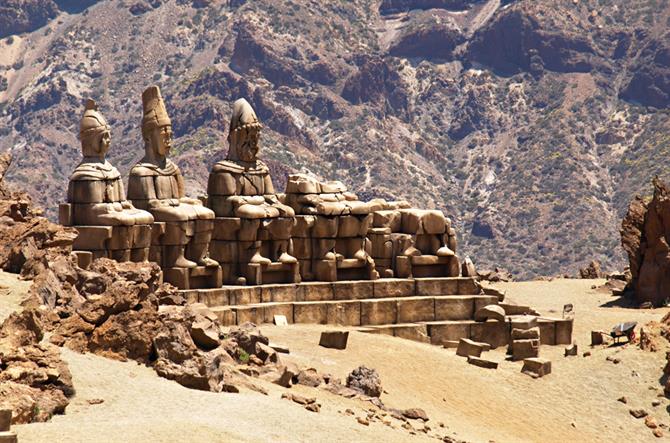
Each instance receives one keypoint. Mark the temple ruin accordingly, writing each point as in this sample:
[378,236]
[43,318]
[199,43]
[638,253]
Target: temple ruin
[313,254]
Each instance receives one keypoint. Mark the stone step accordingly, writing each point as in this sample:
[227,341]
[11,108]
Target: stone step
[365,312]
[553,331]
[333,291]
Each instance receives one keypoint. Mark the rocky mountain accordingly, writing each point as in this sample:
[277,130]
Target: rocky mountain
[532,123]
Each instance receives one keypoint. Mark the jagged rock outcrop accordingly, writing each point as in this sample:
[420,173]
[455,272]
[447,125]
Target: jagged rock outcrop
[429,34]
[522,37]
[650,82]
[34,382]
[645,233]
[394,6]
[17,16]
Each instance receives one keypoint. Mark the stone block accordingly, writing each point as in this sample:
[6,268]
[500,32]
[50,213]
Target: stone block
[571,350]
[443,332]
[270,310]
[315,291]
[536,367]
[467,285]
[416,309]
[482,362]
[344,313]
[251,314]
[334,339]
[378,312]
[437,286]
[522,321]
[227,316]
[302,248]
[547,331]
[310,312]
[484,300]
[395,287]
[213,297]
[244,295]
[387,219]
[563,331]
[224,251]
[522,349]
[493,332]
[467,347]
[324,227]
[412,332]
[279,320]
[303,226]
[352,290]
[279,293]
[490,312]
[454,308]
[526,334]
[597,338]
[8,437]
[5,419]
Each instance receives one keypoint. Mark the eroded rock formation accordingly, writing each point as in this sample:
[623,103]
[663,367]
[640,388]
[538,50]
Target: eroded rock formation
[645,234]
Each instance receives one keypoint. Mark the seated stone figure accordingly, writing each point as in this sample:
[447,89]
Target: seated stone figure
[184,229]
[109,226]
[330,234]
[252,234]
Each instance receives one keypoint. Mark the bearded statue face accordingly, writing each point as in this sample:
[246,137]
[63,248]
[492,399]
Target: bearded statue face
[248,144]
[160,139]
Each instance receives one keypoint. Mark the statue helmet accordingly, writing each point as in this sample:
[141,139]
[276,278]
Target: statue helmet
[243,117]
[155,114]
[92,122]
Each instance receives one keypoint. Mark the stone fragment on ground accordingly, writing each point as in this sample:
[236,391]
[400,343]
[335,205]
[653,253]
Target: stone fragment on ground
[536,367]
[492,312]
[638,413]
[415,414]
[571,350]
[467,347]
[482,362]
[334,339]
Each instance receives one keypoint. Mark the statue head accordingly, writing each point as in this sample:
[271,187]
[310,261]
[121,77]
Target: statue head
[244,132]
[94,132]
[156,124]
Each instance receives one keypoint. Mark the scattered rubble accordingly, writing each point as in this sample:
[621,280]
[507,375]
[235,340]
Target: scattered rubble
[365,380]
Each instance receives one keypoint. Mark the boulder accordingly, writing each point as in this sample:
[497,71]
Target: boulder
[591,271]
[309,377]
[522,349]
[247,335]
[493,312]
[468,268]
[205,333]
[415,414]
[266,353]
[366,381]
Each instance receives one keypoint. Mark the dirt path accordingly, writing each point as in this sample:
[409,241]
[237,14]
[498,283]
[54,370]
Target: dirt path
[577,402]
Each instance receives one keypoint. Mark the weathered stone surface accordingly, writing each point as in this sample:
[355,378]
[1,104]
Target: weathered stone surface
[467,347]
[366,381]
[592,271]
[482,362]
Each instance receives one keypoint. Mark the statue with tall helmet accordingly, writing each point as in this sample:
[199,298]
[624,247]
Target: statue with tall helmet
[108,224]
[252,233]
[157,185]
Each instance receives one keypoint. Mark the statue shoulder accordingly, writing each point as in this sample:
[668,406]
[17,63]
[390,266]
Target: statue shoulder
[144,170]
[95,171]
[227,166]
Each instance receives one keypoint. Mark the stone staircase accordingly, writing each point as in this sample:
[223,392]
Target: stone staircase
[440,311]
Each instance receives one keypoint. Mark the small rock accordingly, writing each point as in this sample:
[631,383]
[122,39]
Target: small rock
[349,412]
[638,413]
[656,403]
[657,433]
[313,407]
[623,399]
[587,354]
[280,348]
[415,414]
[95,401]
[363,421]
[650,422]
[571,350]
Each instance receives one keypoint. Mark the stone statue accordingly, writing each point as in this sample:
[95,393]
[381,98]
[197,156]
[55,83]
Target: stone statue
[108,225]
[95,189]
[241,186]
[156,185]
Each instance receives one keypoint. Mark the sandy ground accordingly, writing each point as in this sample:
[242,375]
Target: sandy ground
[577,402]
[12,291]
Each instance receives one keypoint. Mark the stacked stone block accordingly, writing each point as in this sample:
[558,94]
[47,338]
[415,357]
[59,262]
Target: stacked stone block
[330,235]
[408,242]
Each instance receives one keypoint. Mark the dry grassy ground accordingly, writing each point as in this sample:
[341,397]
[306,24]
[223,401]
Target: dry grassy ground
[577,402]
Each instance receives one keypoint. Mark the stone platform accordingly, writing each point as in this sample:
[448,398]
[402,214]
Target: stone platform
[432,310]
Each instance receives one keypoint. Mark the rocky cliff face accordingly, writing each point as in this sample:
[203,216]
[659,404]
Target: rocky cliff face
[531,123]
[645,233]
